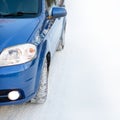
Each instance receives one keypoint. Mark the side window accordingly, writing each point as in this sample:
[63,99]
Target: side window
[60,2]
[50,4]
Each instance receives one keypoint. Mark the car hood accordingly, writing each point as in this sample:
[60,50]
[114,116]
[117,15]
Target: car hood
[16,31]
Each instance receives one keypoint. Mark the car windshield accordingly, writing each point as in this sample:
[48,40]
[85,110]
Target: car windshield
[19,8]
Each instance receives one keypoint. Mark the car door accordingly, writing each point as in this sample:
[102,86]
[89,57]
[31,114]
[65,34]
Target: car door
[55,26]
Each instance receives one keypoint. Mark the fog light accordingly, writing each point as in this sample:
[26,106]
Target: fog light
[13,95]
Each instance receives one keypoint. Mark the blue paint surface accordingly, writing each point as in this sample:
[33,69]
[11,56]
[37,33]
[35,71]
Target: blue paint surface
[15,31]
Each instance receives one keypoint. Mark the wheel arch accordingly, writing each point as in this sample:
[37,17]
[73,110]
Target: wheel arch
[48,57]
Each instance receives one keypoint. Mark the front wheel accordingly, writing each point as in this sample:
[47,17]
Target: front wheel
[41,95]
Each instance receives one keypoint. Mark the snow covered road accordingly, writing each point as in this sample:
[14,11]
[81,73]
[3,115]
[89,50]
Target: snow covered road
[84,79]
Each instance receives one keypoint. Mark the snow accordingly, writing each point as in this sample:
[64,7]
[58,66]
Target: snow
[84,79]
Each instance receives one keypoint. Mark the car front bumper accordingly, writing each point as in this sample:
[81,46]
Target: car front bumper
[20,78]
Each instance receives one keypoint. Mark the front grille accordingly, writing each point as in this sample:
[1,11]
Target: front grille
[4,95]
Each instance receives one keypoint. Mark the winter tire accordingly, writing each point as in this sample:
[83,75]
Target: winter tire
[41,95]
[62,41]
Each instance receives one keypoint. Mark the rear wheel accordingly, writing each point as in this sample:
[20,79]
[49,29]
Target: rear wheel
[62,41]
[41,95]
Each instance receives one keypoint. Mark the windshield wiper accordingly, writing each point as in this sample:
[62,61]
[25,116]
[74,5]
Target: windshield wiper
[17,14]
[2,13]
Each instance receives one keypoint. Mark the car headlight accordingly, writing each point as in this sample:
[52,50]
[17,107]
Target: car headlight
[18,54]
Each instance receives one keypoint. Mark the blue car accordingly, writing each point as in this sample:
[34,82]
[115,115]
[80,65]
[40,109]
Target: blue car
[30,33]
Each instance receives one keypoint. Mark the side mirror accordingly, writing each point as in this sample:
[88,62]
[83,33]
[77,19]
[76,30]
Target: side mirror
[58,12]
